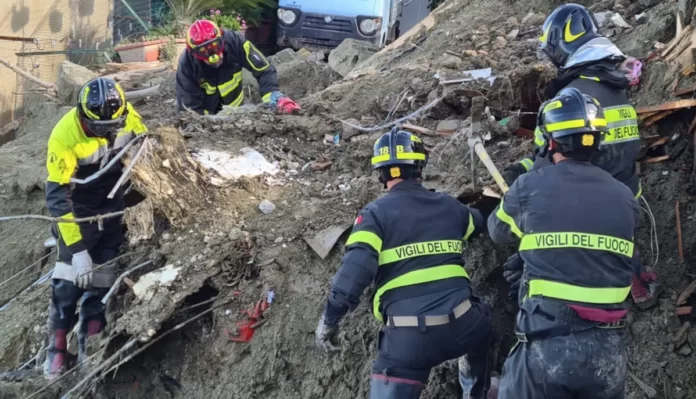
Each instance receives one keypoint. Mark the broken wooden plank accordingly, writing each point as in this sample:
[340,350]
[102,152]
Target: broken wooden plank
[659,142]
[685,90]
[692,126]
[684,295]
[657,159]
[676,41]
[656,117]
[680,243]
[672,105]
[427,132]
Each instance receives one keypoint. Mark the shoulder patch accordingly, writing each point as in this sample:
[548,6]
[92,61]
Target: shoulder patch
[358,220]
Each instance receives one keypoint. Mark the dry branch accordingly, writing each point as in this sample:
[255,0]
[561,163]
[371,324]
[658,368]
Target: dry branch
[97,218]
[51,87]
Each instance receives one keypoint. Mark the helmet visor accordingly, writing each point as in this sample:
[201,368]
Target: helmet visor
[209,51]
[105,128]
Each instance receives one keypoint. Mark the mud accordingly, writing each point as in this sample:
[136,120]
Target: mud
[227,249]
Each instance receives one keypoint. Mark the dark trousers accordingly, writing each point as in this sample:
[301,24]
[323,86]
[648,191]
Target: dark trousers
[64,298]
[406,355]
[591,364]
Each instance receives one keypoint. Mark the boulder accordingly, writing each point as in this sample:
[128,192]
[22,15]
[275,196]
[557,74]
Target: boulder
[284,56]
[71,78]
[344,58]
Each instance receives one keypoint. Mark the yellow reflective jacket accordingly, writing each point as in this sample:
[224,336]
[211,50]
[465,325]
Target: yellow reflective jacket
[71,153]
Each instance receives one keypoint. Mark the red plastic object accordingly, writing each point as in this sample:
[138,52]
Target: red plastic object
[245,328]
[287,106]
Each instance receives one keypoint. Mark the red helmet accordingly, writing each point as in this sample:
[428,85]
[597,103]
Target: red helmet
[204,41]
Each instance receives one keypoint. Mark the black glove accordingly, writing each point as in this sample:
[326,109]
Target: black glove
[512,271]
[512,172]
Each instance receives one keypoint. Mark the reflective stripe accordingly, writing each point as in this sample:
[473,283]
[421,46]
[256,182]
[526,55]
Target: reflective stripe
[238,100]
[267,97]
[539,139]
[574,124]
[417,277]
[507,219]
[209,89]
[248,49]
[527,163]
[69,232]
[640,191]
[420,249]
[365,237]
[415,156]
[228,87]
[122,139]
[596,79]
[622,122]
[568,292]
[595,242]
[470,228]
[84,157]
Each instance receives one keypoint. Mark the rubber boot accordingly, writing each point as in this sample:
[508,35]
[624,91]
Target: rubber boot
[57,354]
[92,328]
[645,290]
[383,387]
[495,386]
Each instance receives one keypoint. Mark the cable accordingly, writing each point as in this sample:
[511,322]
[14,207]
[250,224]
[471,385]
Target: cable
[653,232]
[3,283]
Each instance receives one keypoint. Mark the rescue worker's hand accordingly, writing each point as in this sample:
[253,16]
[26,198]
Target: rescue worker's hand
[326,337]
[82,266]
[512,271]
[512,172]
[280,102]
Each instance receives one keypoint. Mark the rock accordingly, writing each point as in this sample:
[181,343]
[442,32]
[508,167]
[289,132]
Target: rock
[450,61]
[266,207]
[344,58]
[603,18]
[685,350]
[349,131]
[641,18]
[317,56]
[416,84]
[513,34]
[618,21]
[532,19]
[622,3]
[499,43]
[450,125]
[235,234]
[469,53]
[284,56]
[512,21]
[71,78]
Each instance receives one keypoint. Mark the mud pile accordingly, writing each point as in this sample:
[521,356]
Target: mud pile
[219,242]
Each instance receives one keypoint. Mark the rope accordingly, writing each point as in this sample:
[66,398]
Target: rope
[97,218]
[654,243]
[414,114]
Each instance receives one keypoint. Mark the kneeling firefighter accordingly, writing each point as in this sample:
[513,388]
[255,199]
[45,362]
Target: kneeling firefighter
[82,147]
[210,71]
[409,243]
[591,63]
[577,262]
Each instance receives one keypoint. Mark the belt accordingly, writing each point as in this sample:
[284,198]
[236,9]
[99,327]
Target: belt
[560,331]
[412,321]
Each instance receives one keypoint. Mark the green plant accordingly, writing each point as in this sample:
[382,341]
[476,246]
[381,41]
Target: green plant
[168,52]
[185,11]
[251,11]
[226,21]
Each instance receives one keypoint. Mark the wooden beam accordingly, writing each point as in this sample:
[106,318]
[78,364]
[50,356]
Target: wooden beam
[672,105]
[18,39]
[654,118]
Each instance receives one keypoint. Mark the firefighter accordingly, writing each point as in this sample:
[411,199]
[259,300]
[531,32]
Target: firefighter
[591,63]
[82,144]
[409,243]
[574,225]
[210,71]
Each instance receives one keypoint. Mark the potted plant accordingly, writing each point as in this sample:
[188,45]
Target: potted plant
[168,36]
[257,17]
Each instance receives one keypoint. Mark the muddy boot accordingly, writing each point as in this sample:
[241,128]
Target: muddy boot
[92,328]
[645,290]
[57,354]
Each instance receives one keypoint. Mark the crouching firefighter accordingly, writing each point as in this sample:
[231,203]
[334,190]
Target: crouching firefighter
[81,174]
[577,253]
[409,243]
[591,63]
[210,71]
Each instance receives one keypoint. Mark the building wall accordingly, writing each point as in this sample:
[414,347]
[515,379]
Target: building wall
[66,29]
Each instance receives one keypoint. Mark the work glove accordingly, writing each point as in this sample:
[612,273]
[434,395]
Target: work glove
[82,267]
[281,103]
[326,336]
[512,272]
[512,172]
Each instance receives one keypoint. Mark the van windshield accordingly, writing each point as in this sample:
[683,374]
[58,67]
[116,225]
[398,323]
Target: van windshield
[337,7]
